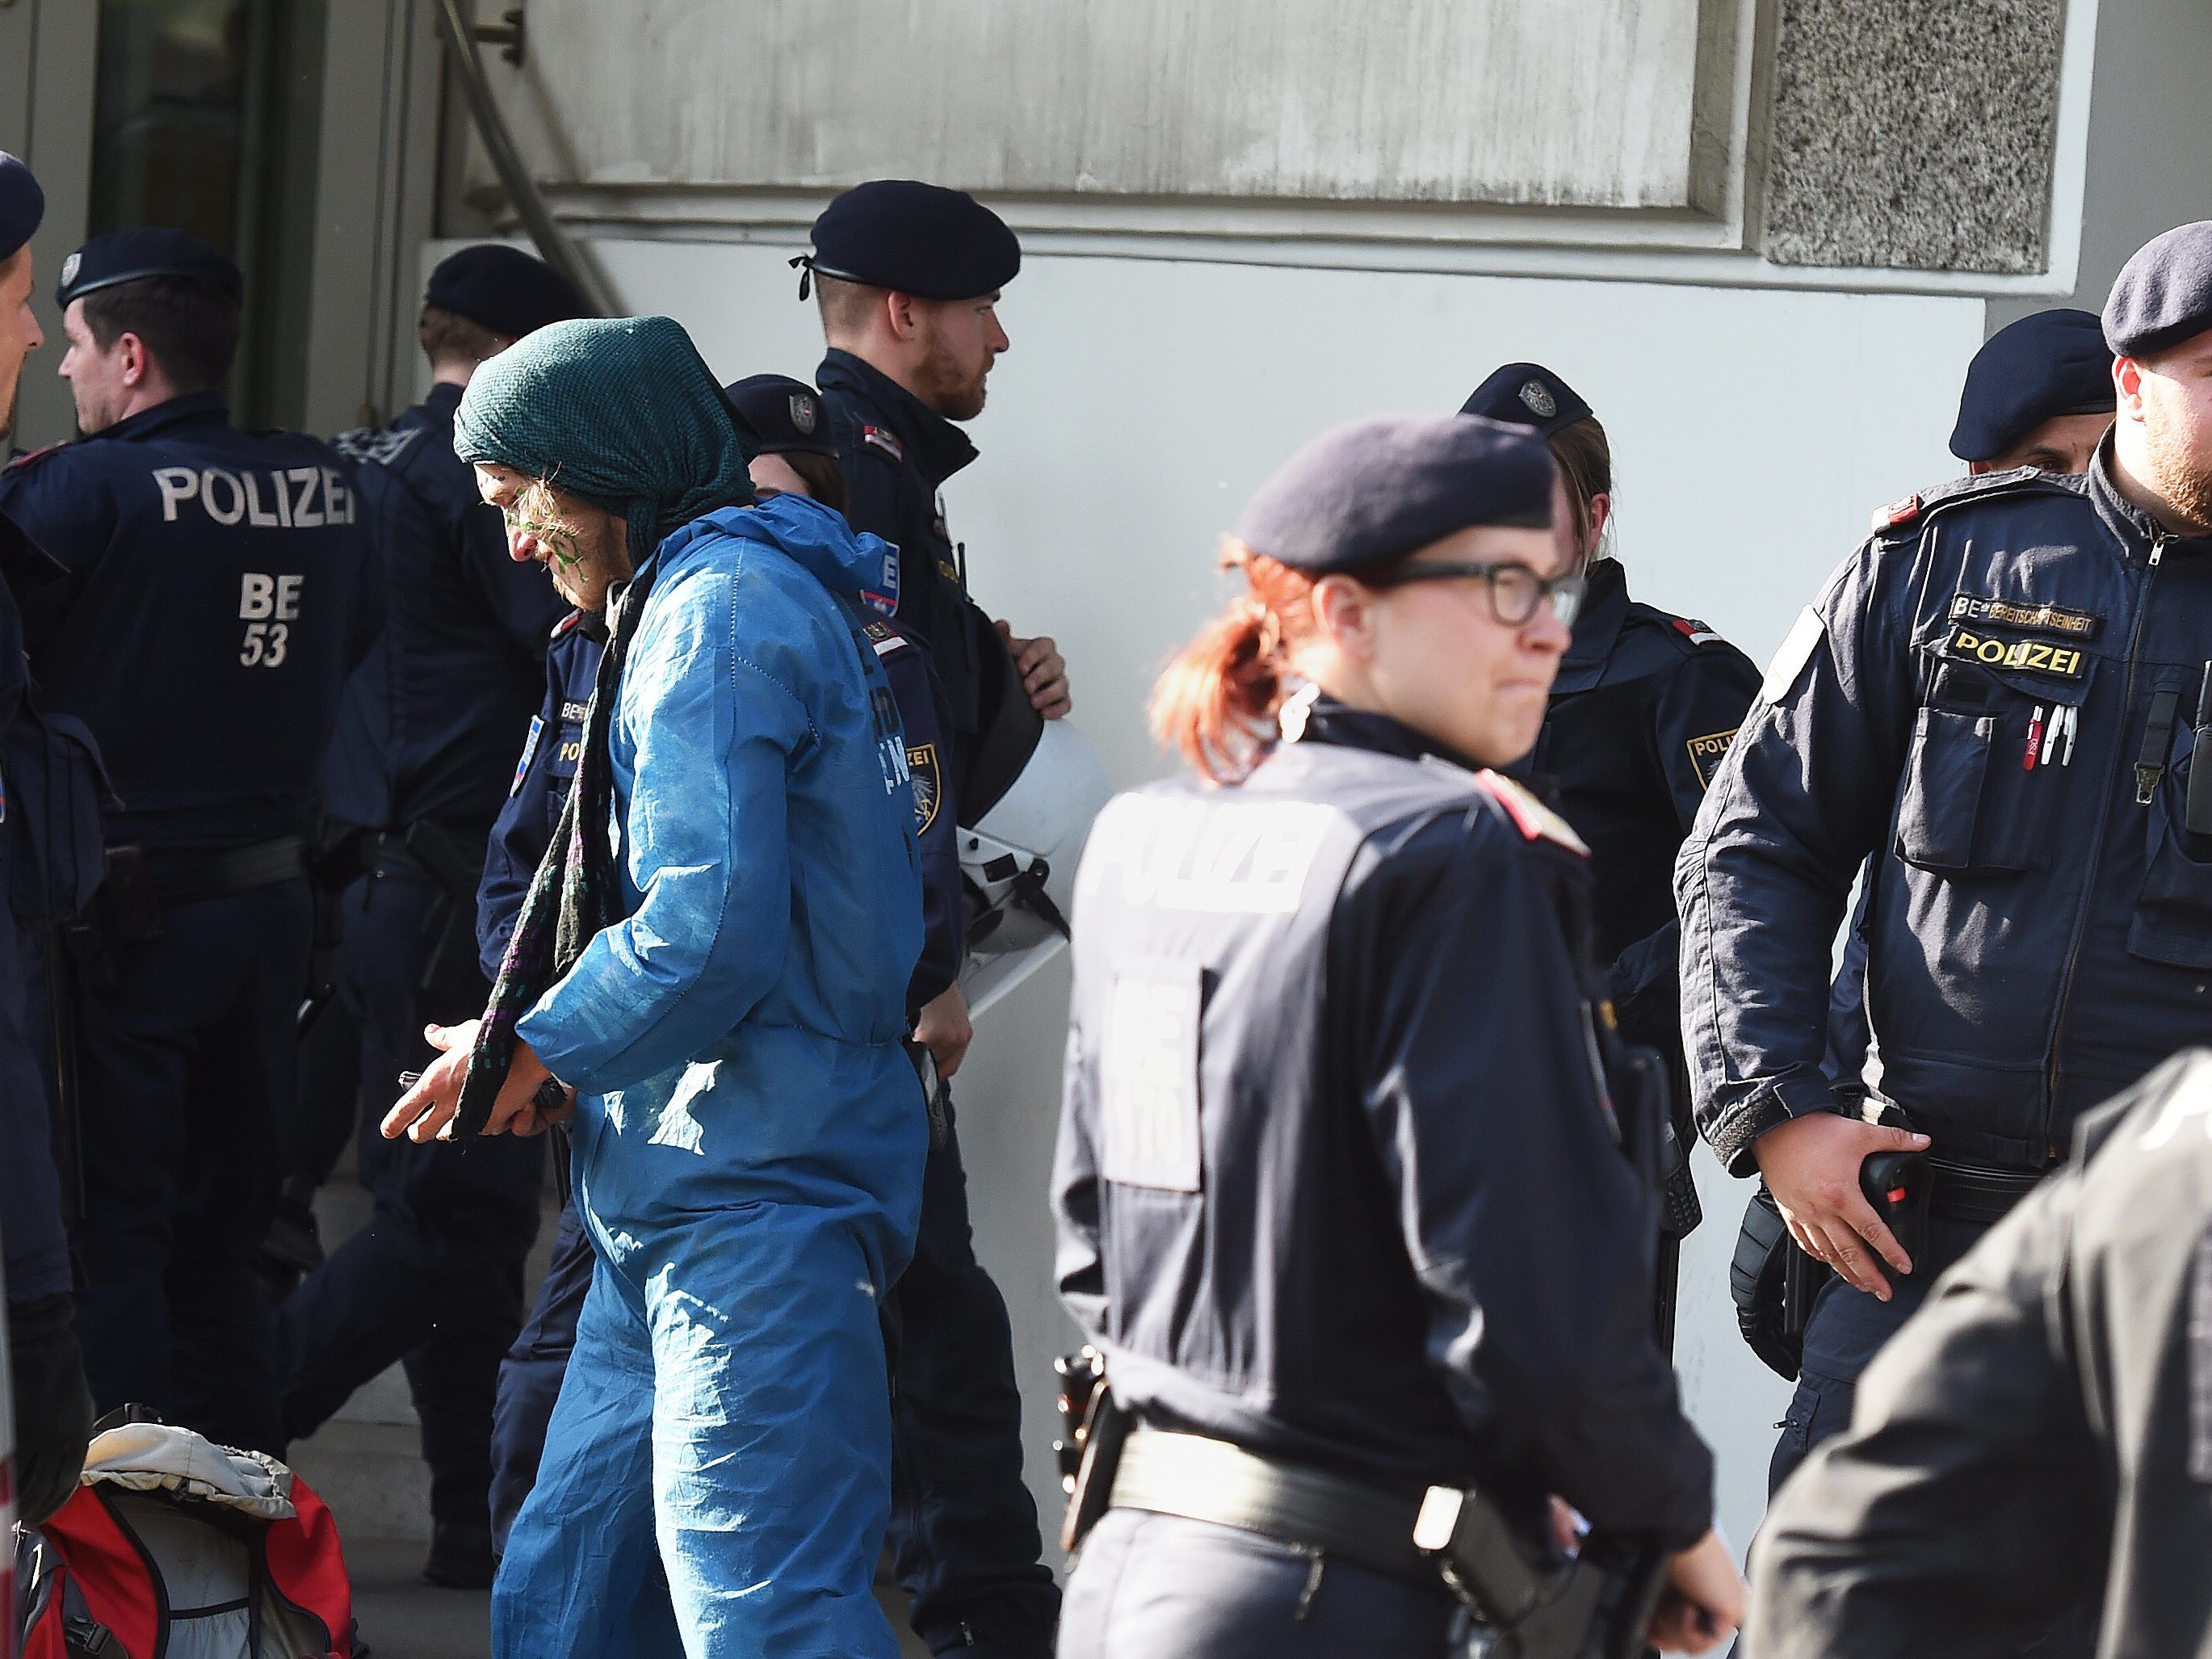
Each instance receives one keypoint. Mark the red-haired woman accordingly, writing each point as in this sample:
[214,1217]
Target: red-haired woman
[1341,1190]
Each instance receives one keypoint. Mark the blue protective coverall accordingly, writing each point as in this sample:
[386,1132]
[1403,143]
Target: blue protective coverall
[749,1133]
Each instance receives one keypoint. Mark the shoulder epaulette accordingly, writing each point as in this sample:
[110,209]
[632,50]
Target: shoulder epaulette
[887,640]
[1536,821]
[1696,632]
[567,624]
[29,456]
[2022,480]
[884,441]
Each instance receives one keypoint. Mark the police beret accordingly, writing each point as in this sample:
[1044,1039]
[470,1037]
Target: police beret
[2164,292]
[128,255]
[784,415]
[2043,365]
[922,239]
[504,289]
[1364,494]
[22,205]
[1527,394]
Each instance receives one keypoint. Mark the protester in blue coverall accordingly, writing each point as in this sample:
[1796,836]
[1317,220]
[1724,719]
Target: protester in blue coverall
[787,458]
[749,1128]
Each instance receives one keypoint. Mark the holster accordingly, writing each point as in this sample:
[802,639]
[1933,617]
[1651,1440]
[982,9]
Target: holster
[1768,1283]
[1104,1431]
[1597,1605]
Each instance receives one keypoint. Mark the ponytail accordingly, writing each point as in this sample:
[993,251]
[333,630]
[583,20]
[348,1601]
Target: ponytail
[1216,702]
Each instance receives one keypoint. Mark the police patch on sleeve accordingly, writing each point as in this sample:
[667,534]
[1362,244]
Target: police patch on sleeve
[928,784]
[1797,648]
[529,751]
[1707,752]
[1148,1076]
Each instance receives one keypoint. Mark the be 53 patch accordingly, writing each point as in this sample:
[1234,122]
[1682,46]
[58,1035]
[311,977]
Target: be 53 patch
[2061,662]
[1983,611]
[1706,753]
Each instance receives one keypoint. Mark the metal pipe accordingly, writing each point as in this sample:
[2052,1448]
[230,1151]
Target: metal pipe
[555,246]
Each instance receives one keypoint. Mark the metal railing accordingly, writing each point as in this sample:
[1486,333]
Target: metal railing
[555,246]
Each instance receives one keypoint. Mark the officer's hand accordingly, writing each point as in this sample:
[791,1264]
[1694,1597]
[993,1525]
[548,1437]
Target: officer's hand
[1044,671]
[944,1030]
[53,1409]
[1812,1167]
[1702,1602]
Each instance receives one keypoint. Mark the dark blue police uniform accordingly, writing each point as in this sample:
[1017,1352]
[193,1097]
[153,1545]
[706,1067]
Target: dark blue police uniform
[219,590]
[1994,697]
[530,1374]
[1644,706]
[426,743]
[897,453]
[1304,1208]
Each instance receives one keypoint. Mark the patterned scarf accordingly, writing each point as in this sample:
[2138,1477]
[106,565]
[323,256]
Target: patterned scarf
[626,416]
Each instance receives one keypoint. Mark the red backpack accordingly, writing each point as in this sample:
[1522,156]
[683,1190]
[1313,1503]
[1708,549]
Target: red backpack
[176,1548]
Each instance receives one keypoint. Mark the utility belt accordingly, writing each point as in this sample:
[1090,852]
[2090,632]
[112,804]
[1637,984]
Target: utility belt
[1774,1283]
[1518,1601]
[139,886]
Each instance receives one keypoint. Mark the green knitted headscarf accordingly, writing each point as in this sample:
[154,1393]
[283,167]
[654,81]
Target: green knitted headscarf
[623,413]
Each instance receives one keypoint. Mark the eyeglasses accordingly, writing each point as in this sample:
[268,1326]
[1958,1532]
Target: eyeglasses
[1516,591]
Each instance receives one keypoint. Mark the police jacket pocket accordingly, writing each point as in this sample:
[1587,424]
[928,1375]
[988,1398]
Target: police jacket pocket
[1985,779]
[2173,917]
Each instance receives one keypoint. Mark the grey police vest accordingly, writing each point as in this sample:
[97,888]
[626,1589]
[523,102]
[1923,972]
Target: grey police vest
[1201,933]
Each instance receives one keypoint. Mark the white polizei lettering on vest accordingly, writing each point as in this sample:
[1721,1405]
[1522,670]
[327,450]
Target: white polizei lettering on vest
[338,499]
[176,483]
[257,516]
[236,509]
[288,597]
[306,515]
[256,595]
[1241,858]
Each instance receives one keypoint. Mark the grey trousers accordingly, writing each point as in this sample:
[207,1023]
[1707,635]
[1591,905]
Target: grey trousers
[1158,1587]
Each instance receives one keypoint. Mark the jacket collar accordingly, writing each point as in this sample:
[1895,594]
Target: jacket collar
[1605,609]
[443,402]
[936,447]
[197,409]
[2136,530]
[1329,721]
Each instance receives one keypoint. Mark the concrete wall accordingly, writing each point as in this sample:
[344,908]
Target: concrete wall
[1447,100]
[1143,401]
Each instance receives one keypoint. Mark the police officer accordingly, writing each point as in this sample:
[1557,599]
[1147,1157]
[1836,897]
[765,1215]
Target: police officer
[1341,1190]
[2039,393]
[907,277]
[53,1411]
[424,755]
[2029,1452]
[219,589]
[1993,698]
[1644,706]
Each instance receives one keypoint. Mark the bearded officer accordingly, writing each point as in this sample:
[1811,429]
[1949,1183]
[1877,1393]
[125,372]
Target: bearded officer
[53,1413]
[219,590]
[1994,697]
[907,278]
[2039,393]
